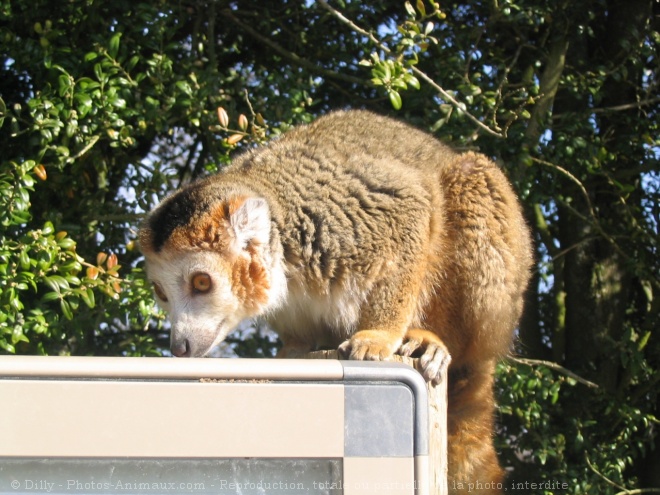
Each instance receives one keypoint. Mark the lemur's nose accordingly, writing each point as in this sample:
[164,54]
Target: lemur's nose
[180,348]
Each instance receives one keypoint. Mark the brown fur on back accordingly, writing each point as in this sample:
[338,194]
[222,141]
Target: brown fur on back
[389,241]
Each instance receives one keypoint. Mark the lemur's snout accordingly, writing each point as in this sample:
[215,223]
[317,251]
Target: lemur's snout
[180,348]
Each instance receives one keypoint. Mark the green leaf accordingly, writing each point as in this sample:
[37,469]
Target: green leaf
[7,346]
[644,340]
[387,70]
[378,72]
[56,282]
[28,181]
[84,103]
[395,99]
[113,47]
[132,63]
[64,83]
[88,297]
[412,81]
[98,72]
[51,296]
[66,243]
[184,87]
[66,309]
[399,83]
[62,151]
[71,266]
[20,217]
[24,259]
[87,83]
[410,9]
[119,103]
[15,301]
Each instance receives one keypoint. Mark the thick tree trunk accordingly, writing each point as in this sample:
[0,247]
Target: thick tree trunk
[594,230]
[530,336]
[596,273]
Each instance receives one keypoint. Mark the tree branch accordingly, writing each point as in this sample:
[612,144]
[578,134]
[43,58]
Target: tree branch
[84,150]
[548,86]
[556,367]
[615,108]
[624,490]
[420,74]
[593,217]
[302,62]
[627,106]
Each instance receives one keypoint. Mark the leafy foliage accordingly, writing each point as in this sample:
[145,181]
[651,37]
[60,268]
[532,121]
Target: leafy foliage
[106,106]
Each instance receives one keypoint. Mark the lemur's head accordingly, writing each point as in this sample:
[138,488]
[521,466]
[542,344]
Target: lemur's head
[207,258]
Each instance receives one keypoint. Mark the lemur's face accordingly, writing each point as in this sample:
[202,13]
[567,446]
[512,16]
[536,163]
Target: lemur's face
[195,289]
[207,268]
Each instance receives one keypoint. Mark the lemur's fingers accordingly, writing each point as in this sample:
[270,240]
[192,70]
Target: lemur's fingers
[433,355]
[434,361]
[409,347]
[370,345]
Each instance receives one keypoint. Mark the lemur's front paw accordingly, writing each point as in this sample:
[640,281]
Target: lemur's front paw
[434,357]
[370,345]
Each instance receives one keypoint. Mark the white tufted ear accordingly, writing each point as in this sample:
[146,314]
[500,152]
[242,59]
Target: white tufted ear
[251,222]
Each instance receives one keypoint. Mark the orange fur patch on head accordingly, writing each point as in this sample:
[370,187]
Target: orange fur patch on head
[210,231]
[250,281]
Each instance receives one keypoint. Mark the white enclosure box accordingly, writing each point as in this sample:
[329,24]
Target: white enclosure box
[74,425]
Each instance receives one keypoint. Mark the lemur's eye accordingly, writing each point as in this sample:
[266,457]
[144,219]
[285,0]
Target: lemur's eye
[159,292]
[201,283]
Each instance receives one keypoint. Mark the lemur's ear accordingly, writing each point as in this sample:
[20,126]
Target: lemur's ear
[251,222]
